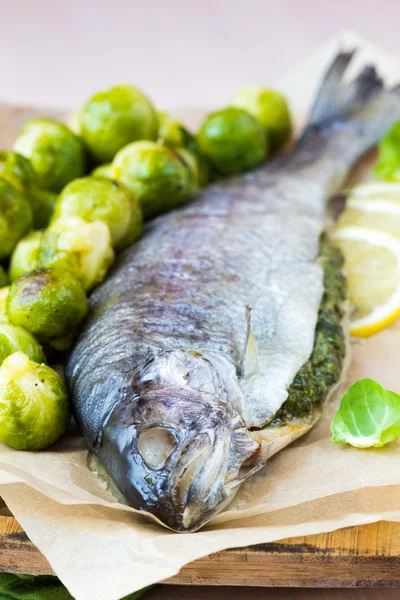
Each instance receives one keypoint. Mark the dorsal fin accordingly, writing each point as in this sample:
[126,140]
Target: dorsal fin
[250,353]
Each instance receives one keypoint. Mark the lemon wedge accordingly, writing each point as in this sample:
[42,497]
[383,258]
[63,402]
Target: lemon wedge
[372,259]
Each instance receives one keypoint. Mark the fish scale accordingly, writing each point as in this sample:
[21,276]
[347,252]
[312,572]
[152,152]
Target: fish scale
[202,325]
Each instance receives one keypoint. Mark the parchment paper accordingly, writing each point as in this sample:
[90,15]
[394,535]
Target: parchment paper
[102,550]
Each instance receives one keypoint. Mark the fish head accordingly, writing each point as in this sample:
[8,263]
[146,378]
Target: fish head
[174,446]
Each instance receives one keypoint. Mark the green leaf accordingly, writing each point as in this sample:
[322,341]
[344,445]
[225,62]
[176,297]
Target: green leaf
[368,416]
[388,166]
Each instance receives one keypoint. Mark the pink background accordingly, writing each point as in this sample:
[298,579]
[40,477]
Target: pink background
[180,52]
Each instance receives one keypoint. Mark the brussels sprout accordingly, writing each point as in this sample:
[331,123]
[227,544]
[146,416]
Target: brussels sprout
[47,303]
[171,131]
[270,109]
[84,249]
[232,140]
[55,152]
[15,217]
[157,176]
[3,278]
[34,409]
[198,165]
[113,118]
[73,122]
[25,257]
[102,199]
[3,311]
[15,339]
[103,170]
[43,203]
[17,170]
[62,343]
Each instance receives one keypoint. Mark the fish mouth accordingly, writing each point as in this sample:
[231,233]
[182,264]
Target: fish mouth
[208,474]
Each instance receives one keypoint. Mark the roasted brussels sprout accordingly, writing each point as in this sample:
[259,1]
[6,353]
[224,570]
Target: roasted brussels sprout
[15,339]
[102,199]
[3,277]
[47,303]
[270,109]
[83,249]
[73,122]
[15,217]
[103,170]
[198,165]
[43,203]
[62,343]
[25,257]
[55,152]
[113,118]
[171,131]
[3,311]
[232,140]
[17,170]
[34,409]
[157,176]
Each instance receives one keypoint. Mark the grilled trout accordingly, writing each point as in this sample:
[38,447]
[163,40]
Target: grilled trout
[218,337]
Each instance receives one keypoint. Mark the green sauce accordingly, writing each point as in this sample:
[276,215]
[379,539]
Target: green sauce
[323,369]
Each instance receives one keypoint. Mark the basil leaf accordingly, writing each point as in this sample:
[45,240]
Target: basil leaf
[368,416]
[388,166]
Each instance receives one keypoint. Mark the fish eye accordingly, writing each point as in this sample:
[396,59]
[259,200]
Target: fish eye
[155,446]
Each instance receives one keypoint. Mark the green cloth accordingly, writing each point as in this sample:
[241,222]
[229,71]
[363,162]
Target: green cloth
[28,587]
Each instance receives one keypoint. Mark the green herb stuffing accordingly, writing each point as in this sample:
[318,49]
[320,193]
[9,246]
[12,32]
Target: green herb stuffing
[323,369]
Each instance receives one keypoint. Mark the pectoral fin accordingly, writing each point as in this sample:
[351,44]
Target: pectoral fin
[250,365]
[260,399]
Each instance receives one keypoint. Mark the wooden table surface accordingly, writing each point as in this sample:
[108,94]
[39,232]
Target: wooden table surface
[355,557]
[165,592]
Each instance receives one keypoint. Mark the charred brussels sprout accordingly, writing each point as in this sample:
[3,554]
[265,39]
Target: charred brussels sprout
[171,131]
[47,303]
[17,170]
[232,140]
[3,311]
[102,171]
[15,339]
[83,249]
[34,409]
[3,277]
[197,165]
[15,217]
[26,255]
[55,152]
[102,199]
[157,176]
[113,118]
[43,203]
[270,109]
[73,122]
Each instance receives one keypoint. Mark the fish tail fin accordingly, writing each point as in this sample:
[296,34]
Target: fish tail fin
[363,100]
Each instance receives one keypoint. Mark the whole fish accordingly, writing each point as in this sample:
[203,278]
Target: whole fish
[217,338]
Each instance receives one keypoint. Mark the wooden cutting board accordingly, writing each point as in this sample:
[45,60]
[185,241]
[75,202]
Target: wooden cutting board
[364,556]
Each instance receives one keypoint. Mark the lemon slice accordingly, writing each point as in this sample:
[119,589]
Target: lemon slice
[381,214]
[377,190]
[372,261]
